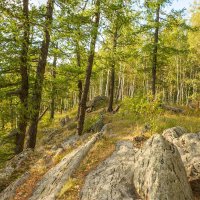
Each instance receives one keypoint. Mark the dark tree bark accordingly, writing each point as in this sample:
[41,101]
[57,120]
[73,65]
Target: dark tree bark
[37,90]
[81,118]
[53,88]
[112,75]
[23,119]
[80,84]
[155,51]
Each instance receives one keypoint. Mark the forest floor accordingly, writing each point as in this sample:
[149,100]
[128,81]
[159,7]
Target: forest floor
[122,126]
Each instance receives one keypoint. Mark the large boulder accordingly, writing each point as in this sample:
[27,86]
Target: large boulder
[174,133]
[172,109]
[159,172]
[188,145]
[111,180]
[97,102]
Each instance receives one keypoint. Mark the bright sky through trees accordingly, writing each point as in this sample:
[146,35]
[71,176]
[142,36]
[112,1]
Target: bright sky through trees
[177,4]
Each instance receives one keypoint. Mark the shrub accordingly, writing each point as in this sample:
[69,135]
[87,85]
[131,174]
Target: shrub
[141,109]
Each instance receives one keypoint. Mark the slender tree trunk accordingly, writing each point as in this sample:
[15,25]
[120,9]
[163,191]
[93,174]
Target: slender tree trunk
[177,81]
[119,86]
[23,118]
[37,90]
[155,51]
[107,84]
[89,70]
[12,114]
[80,84]
[112,75]
[101,84]
[121,89]
[53,88]
[61,105]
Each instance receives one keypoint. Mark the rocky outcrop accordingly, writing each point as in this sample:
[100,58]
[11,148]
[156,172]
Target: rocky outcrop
[188,145]
[14,166]
[159,172]
[52,182]
[156,171]
[172,109]
[9,192]
[96,102]
[112,179]
[174,133]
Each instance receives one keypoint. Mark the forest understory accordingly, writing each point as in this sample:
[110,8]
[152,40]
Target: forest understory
[58,140]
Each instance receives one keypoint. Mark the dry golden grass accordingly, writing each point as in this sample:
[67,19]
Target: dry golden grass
[97,154]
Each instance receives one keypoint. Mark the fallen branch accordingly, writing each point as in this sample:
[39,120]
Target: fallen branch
[40,117]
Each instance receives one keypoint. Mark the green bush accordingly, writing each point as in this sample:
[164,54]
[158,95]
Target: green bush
[89,121]
[141,109]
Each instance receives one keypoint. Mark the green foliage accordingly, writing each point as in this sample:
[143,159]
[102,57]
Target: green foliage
[90,120]
[141,109]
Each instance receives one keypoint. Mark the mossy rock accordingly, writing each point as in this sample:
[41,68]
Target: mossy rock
[97,102]
[72,125]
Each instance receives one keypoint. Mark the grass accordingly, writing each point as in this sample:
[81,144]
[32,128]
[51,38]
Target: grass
[68,186]
[191,123]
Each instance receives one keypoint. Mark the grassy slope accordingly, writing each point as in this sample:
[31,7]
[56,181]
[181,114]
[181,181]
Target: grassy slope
[124,125]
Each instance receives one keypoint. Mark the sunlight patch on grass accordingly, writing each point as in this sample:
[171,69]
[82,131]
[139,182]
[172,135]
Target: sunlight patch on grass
[99,152]
[70,184]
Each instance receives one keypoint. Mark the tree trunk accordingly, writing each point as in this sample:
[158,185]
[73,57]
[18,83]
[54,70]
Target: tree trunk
[107,84]
[37,90]
[101,83]
[53,88]
[23,118]
[112,75]
[89,70]
[80,84]
[155,51]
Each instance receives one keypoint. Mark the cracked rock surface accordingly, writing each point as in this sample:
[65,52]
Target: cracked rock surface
[112,179]
[159,172]
[188,145]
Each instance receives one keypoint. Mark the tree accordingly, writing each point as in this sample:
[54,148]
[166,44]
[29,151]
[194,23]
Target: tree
[53,85]
[23,94]
[155,7]
[116,21]
[155,50]
[94,34]
[37,90]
